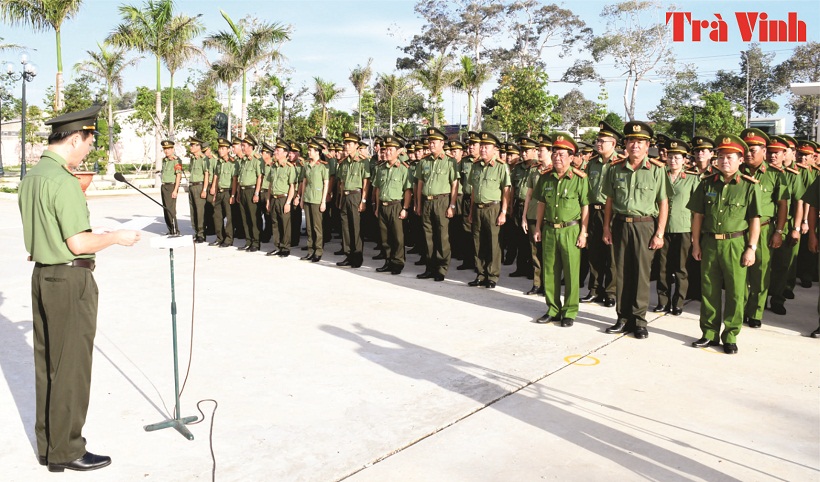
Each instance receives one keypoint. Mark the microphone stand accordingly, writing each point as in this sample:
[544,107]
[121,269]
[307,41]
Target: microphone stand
[178,423]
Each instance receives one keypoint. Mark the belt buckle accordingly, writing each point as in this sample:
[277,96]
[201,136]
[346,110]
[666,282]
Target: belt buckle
[347,193]
[556,225]
[430,198]
[629,219]
[720,236]
[384,203]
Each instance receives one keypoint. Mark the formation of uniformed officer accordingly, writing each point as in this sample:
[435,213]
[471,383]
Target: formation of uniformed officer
[223,194]
[392,198]
[313,193]
[170,177]
[353,172]
[250,184]
[542,166]
[198,177]
[281,193]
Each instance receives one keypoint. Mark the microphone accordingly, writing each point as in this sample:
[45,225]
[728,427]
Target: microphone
[119,177]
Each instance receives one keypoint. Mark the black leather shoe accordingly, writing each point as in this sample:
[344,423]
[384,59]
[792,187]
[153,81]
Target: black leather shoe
[589,298]
[532,291]
[815,333]
[215,243]
[304,248]
[730,348]
[344,262]
[283,254]
[517,274]
[396,271]
[273,253]
[420,262]
[489,284]
[243,248]
[42,459]
[438,277]
[676,311]
[545,318]
[87,462]
[199,240]
[641,333]
[609,302]
[660,308]
[476,282]
[754,323]
[254,249]
[425,275]
[508,260]
[341,252]
[704,342]
[225,245]
[316,259]
[788,294]
[567,322]
[380,256]
[805,283]
[306,257]
[619,327]
[540,291]
[778,309]
[465,266]
[384,268]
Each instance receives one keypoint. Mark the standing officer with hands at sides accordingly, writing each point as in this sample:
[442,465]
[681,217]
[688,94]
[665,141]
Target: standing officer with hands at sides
[62,244]
[726,211]
[170,176]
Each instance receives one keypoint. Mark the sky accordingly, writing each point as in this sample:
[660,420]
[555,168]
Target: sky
[330,38]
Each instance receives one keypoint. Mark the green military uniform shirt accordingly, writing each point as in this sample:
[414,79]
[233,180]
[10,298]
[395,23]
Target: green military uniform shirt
[197,168]
[680,217]
[266,169]
[168,173]
[726,207]
[249,170]
[53,209]
[794,184]
[518,178]
[489,180]
[226,171]
[464,169]
[772,188]
[437,173]
[280,178]
[596,171]
[392,181]
[353,172]
[635,192]
[316,175]
[563,197]
[533,175]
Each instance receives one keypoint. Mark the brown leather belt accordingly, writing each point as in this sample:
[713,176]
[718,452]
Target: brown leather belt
[247,187]
[223,189]
[352,191]
[279,196]
[722,236]
[168,183]
[77,263]
[634,219]
[436,196]
[390,203]
[486,205]
[195,183]
[562,225]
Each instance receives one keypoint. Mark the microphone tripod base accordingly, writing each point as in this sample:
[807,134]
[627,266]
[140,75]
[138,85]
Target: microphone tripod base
[176,423]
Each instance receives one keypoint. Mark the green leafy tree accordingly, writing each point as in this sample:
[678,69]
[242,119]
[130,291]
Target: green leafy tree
[576,110]
[324,93]
[10,106]
[718,115]
[368,111]
[756,84]
[393,92]
[247,43]
[226,71]
[360,78]
[41,15]
[469,79]
[521,103]
[434,78]
[263,114]
[180,52]
[802,67]
[203,110]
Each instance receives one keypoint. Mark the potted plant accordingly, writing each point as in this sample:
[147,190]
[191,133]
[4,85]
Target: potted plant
[86,174]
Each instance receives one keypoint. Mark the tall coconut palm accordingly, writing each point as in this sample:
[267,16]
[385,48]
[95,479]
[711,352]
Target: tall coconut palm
[434,78]
[227,71]
[360,77]
[180,52]
[325,92]
[43,15]
[469,79]
[248,43]
[390,86]
[108,64]
[146,31]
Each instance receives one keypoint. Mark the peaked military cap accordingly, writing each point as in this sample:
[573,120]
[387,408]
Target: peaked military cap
[195,140]
[250,139]
[791,140]
[805,147]
[411,148]
[563,140]
[488,138]
[585,148]
[236,141]
[362,144]
[677,146]
[436,134]
[321,141]
[653,152]
[205,144]
[222,142]
[777,143]
[701,142]
[167,143]
[313,143]
[377,141]
[350,137]
[267,148]
[294,146]
[662,140]
[754,137]
[731,142]
[391,141]
[282,144]
[527,143]
[452,145]
[638,130]
[544,140]
[512,148]
[606,130]
[82,120]
[473,137]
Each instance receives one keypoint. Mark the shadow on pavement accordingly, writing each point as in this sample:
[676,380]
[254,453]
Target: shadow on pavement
[17,363]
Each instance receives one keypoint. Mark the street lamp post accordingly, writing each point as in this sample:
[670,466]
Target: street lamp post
[27,75]
[697,102]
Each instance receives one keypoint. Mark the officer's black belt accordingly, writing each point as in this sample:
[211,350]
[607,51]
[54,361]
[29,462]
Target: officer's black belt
[195,183]
[634,219]
[486,205]
[223,189]
[247,187]
[352,191]
[77,263]
[168,183]
[562,225]
[263,191]
[436,196]
[597,207]
[390,203]
[722,236]
[278,196]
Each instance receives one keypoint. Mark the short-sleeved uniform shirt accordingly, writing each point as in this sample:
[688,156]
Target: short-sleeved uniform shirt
[533,176]
[489,180]
[464,168]
[168,173]
[226,171]
[772,188]
[316,175]
[437,173]
[250,168]
[392,181]
[563,196]
[518,178]
[680,217]
[726,207]
[353,172]
[596,171]
[280,178]
[266,168]
[197,169]
[635,192]
[53,209]
[796,188]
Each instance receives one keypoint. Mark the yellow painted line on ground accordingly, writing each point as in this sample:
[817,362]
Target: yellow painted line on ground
[573,359]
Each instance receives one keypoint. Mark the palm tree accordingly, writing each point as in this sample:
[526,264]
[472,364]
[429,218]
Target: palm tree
[359,77]
[41,15]
[227,71]
[324,93]
[248,43]
[4,47]
[181,51]
[469,79]
[434,78]
[108,64]
[390,86]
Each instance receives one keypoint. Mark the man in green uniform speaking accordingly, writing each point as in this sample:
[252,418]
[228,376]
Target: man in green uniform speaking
[561,227]
[60,241]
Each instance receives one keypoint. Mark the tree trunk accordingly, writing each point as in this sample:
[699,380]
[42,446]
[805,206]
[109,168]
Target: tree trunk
[391,116]
[244,104]
[110,126]
[634,97]
[58,89]
[626,90]
[324,121]
[157,140]
[171,133]
[469,112]
[230,132]
[360,113]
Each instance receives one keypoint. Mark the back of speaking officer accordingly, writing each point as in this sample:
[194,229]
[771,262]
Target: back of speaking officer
[60,241]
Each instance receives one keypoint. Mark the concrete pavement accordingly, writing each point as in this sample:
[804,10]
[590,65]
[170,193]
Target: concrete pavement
[325,373]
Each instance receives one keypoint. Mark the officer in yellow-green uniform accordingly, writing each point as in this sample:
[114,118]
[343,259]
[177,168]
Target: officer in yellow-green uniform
[392,197]
[519,242]
[702,153]
[491,196]
[725,231]
[542,166]
[313,188]
[197,192]
[223,192]
[250,184]
[678,237]
[59,239]
[436,190]
[170,177]
[561,227]
[774,205]
[210,166]
[465,168]
[282,191]
[263,214]
[353,172]
[635,215]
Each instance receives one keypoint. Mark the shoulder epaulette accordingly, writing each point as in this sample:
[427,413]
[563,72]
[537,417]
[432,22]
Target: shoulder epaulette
[323,162]
[801,166]
[693,173]
[778,169]
[579,172]
[545,170]
[619,160]
[792,170]
[657,162]
[749,178]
